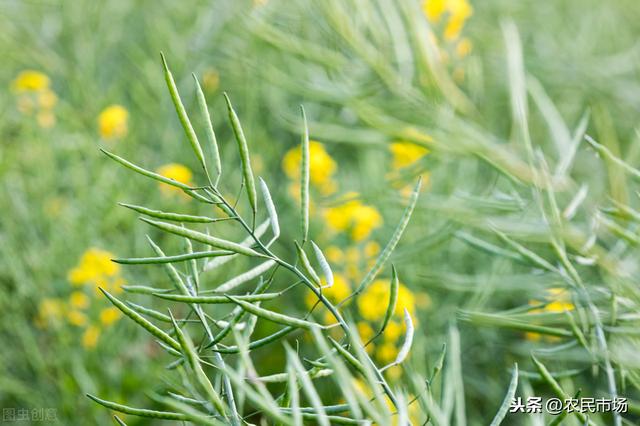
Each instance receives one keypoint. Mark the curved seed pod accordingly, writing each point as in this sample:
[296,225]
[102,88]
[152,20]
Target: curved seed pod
[244,277]
[143,289]
[408,341]
[273,316]
[171,271]
[218,299]
[326,268]
[146,324]
[141,412]
[182,114]
[306,265]
[146,172]
[391,244]
[347,355]
[271,208]
[176,217]
[247,242]
[149,312]
[211,136]
[508,398]
[247,173]
[393,300]
[172,259]
[192,357]
[257,343]
[304,177]
[203,238]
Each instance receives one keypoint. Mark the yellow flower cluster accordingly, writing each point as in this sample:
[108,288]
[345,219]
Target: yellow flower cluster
[113,122]
[34,95]
[94,269]
[406,153]
[177,172]
[557,300]
[321,169]
[354,217]
[449,18]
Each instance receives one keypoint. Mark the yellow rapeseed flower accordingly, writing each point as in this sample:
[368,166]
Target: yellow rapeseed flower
[95,267]
[464,47]
[557,300]
[113,122]
[210,80]
[406,153]
[79,300]
[353,216]
[50,309]
[339,291]
[177,172]
[434,9]
[30,81]
[109,315]
[77,318]
[321,167]
[90,337]
[372,304]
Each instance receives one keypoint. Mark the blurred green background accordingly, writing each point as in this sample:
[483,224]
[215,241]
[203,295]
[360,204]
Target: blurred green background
[377,79]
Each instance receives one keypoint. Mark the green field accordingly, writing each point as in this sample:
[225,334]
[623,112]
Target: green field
[387,212]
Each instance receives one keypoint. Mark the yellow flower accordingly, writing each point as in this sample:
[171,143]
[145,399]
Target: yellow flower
[393,331]
[177,172]
[557,300]
[90,337]
[434,9]
[46,119]
[79,300]
[30,81]
[371,249]
[372,304]
[365,331]
[339,291]
[406,153]
[50,309]
[77,318]
[386,352]
[109,315]
[353,216]
[321,167]
[211,80]
[94,267]
[464,47]
[47,99]
[113,122]
[334,254]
